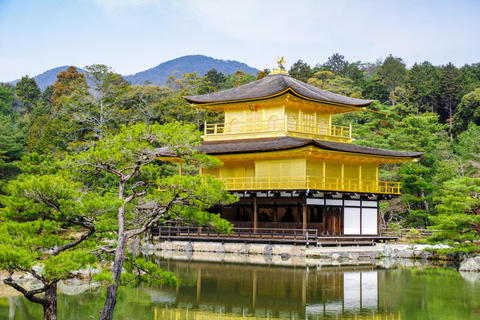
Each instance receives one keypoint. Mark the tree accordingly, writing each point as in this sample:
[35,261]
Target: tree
[459,210]
[27,91]
[239,78]
[468,111]
[375,90]
[102,110]
[6,99]
[450,91]
[43,214]
[423,86]
[261,75]
[11,146]
[468,150]
[392,74]
[214,81]
[145,101]
[128,159]
[67,81]
[337,64]
[301,71]
[327,80]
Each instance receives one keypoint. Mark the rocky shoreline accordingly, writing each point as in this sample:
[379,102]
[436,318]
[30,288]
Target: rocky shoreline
[381,256]
[344,254]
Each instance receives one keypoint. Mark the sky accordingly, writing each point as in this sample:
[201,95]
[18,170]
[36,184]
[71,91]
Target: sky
[134,35]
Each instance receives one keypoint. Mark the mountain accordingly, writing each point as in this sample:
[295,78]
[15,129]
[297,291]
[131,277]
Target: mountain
[48,77]
[159,74]
[193,63]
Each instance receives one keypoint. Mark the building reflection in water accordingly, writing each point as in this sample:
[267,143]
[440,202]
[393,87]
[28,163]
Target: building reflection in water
[271,291]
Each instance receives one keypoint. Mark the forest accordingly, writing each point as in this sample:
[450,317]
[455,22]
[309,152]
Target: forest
[427,108]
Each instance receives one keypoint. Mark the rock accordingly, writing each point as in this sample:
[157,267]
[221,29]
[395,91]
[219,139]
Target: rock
[470,264]
[471,277]
[167,245]
[221,249]
[147,247]
[295,251]
[374,255]
[387,251]
[417,253]
[388,263]
[336,256]
[245,249]
[158,246]
[87,272]
[285,256]
[38,268]
[188,247]
[353,257]
[189,254]
[76,287]
[426,255]
[405,254]
[134,245]
[268,258]
[268,250]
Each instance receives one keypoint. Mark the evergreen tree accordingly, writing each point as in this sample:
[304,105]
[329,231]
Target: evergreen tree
[301,71]
[28,92]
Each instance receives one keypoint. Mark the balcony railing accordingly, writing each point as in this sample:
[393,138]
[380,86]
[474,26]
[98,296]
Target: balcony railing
[276,125]
[300,183]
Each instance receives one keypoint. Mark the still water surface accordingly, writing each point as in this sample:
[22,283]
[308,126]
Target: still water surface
[239,290]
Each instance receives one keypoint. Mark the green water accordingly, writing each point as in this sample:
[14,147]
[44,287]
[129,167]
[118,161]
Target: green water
[239,290]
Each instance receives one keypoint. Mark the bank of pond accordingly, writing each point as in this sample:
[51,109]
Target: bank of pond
[226,290]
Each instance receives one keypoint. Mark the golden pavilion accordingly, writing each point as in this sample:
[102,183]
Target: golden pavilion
[289,165]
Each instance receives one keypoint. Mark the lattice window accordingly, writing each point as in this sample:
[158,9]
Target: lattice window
[308,121]
[292,123]
[235,125]
[273,123]
[254,121]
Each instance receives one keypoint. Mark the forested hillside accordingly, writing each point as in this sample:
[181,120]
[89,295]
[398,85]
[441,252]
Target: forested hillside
[433,109]
[188,64]
[159,75]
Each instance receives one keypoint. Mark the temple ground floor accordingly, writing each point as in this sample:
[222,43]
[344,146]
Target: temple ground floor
[330,214]
[302,217]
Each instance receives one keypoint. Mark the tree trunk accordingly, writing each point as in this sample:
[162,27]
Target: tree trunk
[50,307]
[111,300]
[425,202]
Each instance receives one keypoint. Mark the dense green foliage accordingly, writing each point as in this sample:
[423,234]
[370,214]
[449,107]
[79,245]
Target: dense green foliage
[88,144]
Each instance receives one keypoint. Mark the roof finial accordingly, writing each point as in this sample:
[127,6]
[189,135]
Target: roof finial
[280,62]
[281,69]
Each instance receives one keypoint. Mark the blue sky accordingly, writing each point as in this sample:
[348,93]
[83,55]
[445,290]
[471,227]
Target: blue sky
[134,35]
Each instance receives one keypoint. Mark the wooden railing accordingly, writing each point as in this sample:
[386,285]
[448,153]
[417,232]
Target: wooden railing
[307,182]
[239,234]
[269,125]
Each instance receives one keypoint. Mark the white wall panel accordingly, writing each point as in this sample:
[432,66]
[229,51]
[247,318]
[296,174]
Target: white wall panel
[369,221]
[351,222]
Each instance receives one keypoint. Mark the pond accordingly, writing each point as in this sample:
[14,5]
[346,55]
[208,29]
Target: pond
[228,290]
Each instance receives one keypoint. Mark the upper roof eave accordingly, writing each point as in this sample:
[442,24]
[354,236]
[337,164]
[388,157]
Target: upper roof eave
[273,86]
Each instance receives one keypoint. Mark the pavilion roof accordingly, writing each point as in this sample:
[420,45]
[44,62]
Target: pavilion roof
[275,85]
[224,147]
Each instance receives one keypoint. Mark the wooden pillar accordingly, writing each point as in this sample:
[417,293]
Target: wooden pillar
[255,215]
[304,216]
[180,168]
